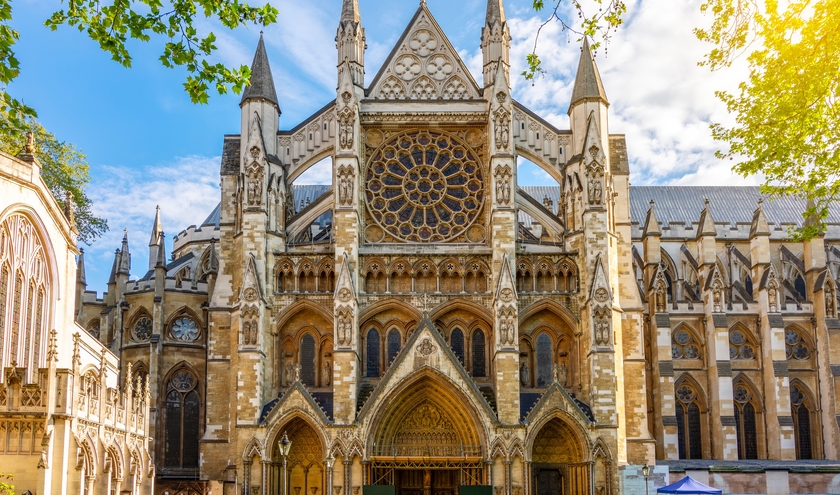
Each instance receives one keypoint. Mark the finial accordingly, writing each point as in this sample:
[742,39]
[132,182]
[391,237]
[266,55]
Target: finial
[707,202]
[651,203]
[760,200]
[29,148]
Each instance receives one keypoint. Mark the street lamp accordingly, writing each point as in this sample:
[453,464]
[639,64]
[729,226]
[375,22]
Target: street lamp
[285,445]
[646,473]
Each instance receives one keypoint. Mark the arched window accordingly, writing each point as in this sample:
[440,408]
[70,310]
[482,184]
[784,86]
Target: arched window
[799,285]
[184,329]
[478,355]
[745,422]
[307,360]
[524,281]
[456,341]
[689,430]
[24,287]
[372,367]
[183,417]
[545,277]
[801,413]
[739,345]
[544,360]
[424,278]
[795,347]
[393,345]
[683,345]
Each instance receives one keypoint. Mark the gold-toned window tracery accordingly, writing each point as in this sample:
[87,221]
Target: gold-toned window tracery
[425,186]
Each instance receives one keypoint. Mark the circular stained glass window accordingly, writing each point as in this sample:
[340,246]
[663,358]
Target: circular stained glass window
[143,329]
[184,329]
[183,381]
[424,186]
[795,347]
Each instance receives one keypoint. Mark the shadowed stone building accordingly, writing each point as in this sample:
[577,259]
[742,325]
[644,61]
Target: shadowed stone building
[425,323]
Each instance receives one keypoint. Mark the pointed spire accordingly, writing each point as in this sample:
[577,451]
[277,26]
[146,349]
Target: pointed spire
[156,228]
[113,277]
[495,12]
[81,277]
[759,226]
[707,223]
[588,85]
[350,11]
[125,259]
[651,224]
[262,83]
[161,251]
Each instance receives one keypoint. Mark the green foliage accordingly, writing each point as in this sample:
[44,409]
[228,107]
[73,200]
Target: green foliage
[5,487]
[113,25]
[64,169]
[787,114]
[598,26]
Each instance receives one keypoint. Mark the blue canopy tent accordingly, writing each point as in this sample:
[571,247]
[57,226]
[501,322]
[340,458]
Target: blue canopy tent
[688,485]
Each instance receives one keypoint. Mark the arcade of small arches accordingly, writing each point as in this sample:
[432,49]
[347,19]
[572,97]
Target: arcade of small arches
[689,353]
[546,341]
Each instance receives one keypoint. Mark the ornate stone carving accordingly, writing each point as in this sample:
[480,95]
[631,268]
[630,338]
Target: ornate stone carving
[596,191]
[344,327]
[503,178]
[423,42]
[507,326]
[346,128]
[501,122]
[407,67]
[254,185]
[426,348]
[346,185]
[524,374]
[602,321]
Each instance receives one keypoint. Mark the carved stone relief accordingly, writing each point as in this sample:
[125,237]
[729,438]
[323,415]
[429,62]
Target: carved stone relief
[503,178]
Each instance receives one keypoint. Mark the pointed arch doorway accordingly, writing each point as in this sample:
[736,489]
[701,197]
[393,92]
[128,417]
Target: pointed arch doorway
[559,464]
[427,442]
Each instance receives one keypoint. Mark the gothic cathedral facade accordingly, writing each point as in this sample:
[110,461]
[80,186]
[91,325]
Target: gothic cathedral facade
[428,324]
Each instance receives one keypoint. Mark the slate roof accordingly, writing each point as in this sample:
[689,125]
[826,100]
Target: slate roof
[729,204]
[230,155]
[262,84]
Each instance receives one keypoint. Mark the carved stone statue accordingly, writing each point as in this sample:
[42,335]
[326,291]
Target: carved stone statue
[246,333]
[346,124]
[345,186]
[562,373]
[829,302]
[327,373]
[771,299]
[289,371]
[524,374]
[511,328]
[254,331]
[595,191]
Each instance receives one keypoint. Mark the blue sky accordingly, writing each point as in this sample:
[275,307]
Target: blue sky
[147,144]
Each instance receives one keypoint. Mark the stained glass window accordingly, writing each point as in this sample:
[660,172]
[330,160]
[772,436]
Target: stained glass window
[745,424]
[142,329]
[456,341]
[739,346]
[802,423]
[372,367]
[544,361]
[182,422]
[683,345]
[307,360]
[478,354]
[689,428]
[424,186]
[393,344]
[795,347]
[185,329]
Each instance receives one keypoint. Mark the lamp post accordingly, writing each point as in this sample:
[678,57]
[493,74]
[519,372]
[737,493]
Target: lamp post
[646,473]
[285,445]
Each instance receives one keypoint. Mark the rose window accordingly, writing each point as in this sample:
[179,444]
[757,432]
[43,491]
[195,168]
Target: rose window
[795,347]
[683,346]
[183,381]
[739,347]
[185,329]
[143,329]
[424,186]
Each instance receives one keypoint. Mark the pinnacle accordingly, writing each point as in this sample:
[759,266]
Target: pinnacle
[262,83]
[495,12]
[588,85]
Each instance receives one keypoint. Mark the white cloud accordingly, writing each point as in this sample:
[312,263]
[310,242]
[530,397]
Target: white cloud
[187,190]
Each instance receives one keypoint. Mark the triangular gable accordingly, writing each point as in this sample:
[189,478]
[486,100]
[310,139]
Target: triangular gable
[423,66]
[251,290]
[345,292]
[600,281]
[556,396]
[256,146]
[296,397]
[506,283]
[593,149]
[425,347]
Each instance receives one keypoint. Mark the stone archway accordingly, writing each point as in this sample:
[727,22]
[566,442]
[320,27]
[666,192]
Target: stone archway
[306,473]
[558,461]
[427,440]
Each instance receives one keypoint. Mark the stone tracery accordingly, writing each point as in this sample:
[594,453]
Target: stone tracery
[425,186]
